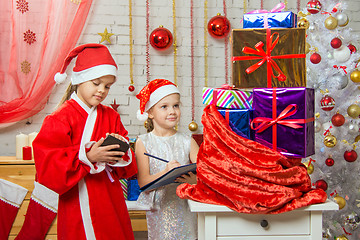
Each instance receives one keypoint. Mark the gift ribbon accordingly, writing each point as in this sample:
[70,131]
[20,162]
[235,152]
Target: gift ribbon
[341,67]
[215,92]
[264,122]
[278,8]
[271,41]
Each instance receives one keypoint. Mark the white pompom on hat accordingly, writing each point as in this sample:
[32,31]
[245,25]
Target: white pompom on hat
[93,61]
[152,93]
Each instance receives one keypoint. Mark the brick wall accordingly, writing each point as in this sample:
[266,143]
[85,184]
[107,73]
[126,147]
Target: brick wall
[114,15]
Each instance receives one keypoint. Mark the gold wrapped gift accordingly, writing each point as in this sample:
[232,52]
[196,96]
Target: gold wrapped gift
[268,57]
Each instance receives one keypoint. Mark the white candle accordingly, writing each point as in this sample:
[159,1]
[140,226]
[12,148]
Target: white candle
[32,136]
[21,141]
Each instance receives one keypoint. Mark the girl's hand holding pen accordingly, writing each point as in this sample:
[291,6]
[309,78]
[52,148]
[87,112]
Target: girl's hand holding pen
[172,164]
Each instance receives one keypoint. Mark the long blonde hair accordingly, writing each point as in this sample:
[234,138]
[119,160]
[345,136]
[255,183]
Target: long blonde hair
[149,125]
[70,89]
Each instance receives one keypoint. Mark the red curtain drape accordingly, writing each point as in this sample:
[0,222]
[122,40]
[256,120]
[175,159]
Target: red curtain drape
[35,37]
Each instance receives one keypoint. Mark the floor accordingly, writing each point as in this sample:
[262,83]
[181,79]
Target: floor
[140,235]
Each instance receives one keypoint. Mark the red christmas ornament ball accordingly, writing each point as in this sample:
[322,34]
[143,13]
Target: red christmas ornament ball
[350,156]
[322,184]
[161,38]
[336,43]
[329,162]
[327,103]
[313,6]
[337,120]
[131,88]
[352,48]
[218,26]
[315,58]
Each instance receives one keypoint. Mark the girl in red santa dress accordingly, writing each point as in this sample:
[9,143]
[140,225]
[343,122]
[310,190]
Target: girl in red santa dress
[169,217]
[71,162]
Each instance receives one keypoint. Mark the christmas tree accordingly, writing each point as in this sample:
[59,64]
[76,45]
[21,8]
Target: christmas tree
[332,61]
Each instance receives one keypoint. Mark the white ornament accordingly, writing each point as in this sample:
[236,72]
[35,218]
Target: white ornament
[327,126]
[342,54]
[342,19]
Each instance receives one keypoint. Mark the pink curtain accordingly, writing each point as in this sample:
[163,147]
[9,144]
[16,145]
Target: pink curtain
[35,37]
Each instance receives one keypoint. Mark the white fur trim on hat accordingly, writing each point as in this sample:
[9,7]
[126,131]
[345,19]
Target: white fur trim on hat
[142,117]
[159,94]
[60,77]
[93,73]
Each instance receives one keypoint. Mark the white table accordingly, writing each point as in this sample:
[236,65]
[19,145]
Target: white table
[221,223]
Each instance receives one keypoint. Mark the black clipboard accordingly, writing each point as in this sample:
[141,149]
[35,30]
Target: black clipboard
[169,177]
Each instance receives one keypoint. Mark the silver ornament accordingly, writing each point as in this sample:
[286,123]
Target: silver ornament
[340,81]
[342,19]
[353,128]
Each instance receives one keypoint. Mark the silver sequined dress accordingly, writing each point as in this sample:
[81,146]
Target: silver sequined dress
[170,217]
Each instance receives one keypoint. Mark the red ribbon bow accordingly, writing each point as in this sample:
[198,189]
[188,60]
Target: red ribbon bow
[265,56]
[341,67]
[264,122]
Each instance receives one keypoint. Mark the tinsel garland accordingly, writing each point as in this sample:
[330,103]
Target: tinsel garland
[175,44]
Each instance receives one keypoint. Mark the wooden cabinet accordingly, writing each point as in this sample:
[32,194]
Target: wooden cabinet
[22,172]
[220,223]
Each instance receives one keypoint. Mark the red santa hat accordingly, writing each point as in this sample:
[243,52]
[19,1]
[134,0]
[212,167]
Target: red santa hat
[93,61]
[152,93]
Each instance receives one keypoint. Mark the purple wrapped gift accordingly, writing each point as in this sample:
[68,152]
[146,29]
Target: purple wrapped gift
[284,120]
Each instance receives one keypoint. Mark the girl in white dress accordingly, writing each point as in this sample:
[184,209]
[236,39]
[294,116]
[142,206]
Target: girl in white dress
[170,217]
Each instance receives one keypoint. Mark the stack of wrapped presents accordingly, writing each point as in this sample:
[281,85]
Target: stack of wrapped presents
[268,101]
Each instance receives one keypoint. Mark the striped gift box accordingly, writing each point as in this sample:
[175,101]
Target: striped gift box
[124,186]
[228,98]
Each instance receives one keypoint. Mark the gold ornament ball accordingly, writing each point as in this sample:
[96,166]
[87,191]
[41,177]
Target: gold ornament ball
[309,168]
[355,76]
[340,201]
[357,138]
[353,111]
[330,141]
[307,48]
[193,126]
[303,23]
[342,237]
[331,23]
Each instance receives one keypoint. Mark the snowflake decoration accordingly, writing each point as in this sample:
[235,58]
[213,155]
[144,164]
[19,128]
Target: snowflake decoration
[25,67]
[29,37]
[22,6]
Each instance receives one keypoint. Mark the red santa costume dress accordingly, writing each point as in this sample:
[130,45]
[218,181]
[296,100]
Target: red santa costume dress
[91,202]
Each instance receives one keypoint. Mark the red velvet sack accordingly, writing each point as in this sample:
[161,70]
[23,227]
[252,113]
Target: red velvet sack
[245,175]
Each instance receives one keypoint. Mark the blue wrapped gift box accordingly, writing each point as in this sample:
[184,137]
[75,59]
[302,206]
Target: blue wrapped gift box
[270,20]
[239,121]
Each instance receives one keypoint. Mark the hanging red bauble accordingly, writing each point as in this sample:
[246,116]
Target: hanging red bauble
[313,6]
[315,58]
[161,38]
[352,48]
[131,88]
[336,43]
[218,26]
[338,120]
[327,103]
[350,156]
[322,184]
[329,162]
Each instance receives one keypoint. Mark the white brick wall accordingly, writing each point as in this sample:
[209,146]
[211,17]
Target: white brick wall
[113,15]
